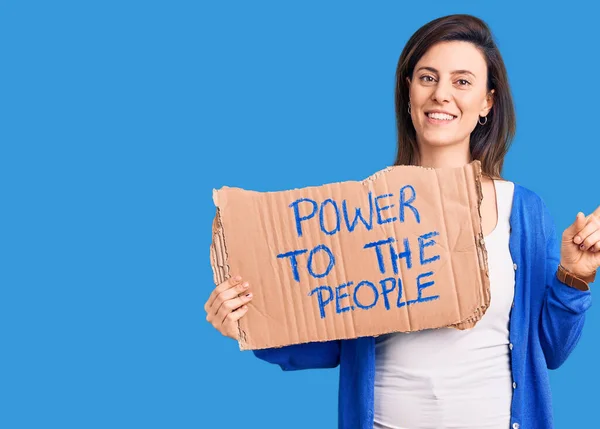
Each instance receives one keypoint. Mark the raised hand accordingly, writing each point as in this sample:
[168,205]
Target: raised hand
[580,246]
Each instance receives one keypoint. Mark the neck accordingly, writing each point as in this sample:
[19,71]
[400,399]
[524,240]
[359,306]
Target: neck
[446,156]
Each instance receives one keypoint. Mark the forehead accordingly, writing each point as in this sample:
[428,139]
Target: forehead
[454,55]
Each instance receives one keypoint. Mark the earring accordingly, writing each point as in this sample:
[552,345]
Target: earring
[409,107]
[485,122]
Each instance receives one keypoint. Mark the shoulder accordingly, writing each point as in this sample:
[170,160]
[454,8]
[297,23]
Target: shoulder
[527,203]
[528,197]
[521,193]
[533,206]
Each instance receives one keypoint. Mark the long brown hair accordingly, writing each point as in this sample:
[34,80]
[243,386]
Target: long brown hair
[489,143]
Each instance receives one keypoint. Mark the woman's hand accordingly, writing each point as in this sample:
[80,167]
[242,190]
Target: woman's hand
[227,304]
[580,247]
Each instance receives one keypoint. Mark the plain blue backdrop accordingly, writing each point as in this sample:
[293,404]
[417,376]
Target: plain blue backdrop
[117,120]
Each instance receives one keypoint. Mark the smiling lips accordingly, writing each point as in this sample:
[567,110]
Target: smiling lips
[439,118]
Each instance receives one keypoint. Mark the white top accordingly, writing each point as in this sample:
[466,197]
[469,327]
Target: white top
[447,378]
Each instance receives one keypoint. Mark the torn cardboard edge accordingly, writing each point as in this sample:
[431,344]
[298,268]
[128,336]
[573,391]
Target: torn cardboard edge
[222,269]
[218,257]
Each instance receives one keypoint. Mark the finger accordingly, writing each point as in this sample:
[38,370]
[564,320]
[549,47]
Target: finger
[596,212]
[591,240]
[232,305]
[228,295]
[576,228]
[236,315]
[593,225]
[230,326]
[229,283]
[224,297]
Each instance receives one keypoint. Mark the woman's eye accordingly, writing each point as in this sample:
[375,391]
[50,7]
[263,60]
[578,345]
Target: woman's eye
[428,79]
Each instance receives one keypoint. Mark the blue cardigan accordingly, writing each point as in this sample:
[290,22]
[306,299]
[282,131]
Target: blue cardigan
[546,321]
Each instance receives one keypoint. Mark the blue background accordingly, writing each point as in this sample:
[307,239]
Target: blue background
[118,118]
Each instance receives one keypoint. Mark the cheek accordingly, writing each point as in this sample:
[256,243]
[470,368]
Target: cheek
[418,98]
[417,107]
[469,106]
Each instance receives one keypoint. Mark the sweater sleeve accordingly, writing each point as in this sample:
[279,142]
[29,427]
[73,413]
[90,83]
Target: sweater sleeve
[563,307]
[313,355]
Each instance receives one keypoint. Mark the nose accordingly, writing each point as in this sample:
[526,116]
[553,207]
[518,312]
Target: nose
[443,91]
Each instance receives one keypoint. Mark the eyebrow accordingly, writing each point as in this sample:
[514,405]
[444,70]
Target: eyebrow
[452,72]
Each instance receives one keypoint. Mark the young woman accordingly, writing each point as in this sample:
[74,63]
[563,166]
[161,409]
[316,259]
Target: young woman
[453,105]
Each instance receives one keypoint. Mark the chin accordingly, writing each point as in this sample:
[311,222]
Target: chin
[441,139]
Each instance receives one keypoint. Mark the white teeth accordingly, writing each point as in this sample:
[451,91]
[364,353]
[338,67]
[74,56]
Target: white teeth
[440,116]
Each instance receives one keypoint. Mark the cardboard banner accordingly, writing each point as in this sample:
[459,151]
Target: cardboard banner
[402,250]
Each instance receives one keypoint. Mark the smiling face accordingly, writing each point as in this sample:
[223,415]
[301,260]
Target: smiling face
[450,77]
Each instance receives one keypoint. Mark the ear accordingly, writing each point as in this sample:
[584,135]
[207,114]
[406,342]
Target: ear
[488,103]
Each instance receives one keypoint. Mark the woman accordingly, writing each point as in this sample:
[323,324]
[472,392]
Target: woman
[453,105]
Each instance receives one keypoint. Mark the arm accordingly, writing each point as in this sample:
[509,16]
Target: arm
[312,355]
[563,308]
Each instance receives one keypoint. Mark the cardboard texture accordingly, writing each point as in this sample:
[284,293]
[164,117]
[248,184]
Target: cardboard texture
[402,250]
